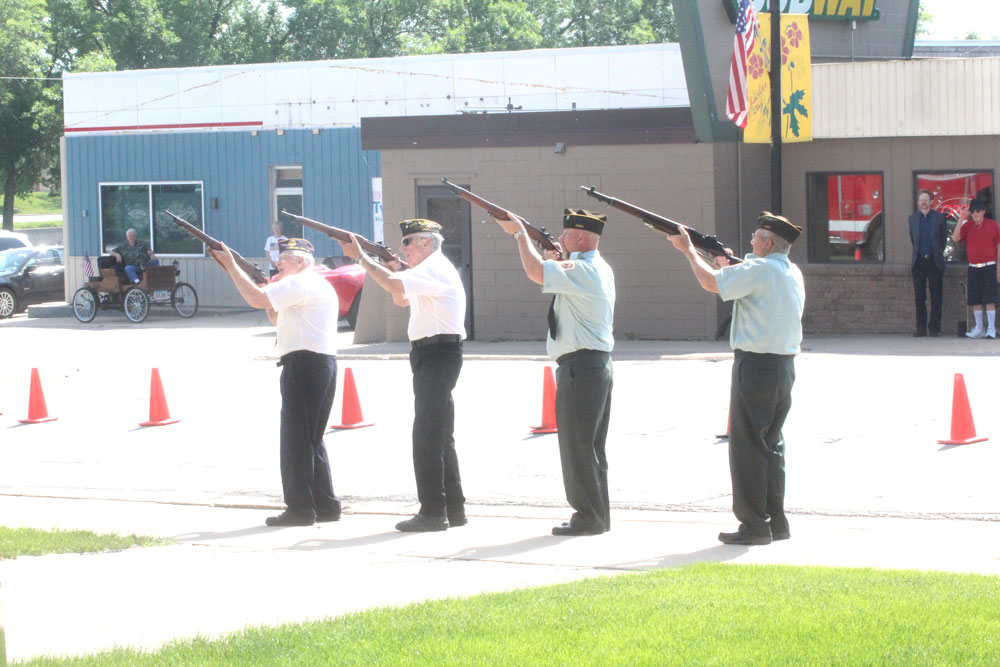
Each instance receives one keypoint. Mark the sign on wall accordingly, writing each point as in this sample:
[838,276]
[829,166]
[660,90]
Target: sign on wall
[377,218]
[824,10]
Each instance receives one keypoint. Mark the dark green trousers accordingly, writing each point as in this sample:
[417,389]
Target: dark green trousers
[583,408]
[760,398]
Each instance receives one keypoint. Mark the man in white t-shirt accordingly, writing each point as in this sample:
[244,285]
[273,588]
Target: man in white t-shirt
[271,245]
[433,290]
[304,309]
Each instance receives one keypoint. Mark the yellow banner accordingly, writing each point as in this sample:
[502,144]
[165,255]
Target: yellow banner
[796,82]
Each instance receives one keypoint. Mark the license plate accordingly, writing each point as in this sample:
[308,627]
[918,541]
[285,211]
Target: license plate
[161,295]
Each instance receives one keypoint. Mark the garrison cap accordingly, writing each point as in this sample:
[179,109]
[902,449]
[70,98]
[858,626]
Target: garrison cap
[418,225]
[585,220]
[778,225]
[295,245]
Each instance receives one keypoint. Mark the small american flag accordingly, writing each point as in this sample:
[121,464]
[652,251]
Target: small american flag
[746,28]
[88,268]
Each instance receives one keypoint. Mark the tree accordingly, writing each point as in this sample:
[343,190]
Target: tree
[568,23]
[924,21]
[478,26]
[30,106]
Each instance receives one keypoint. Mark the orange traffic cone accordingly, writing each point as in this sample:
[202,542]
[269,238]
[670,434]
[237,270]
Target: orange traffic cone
[725,436]
[857,254]
[963,430]
[37,410]
[159,413]
[548,404]
[351,415]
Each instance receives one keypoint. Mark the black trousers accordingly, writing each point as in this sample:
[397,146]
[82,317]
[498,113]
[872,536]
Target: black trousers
[583,409]
[926,275]
[308,384]
[436,369]
[760,398]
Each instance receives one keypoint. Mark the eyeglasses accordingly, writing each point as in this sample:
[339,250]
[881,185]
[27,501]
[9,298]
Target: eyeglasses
[411,239]
[285,256]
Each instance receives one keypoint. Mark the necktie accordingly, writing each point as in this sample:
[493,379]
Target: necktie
[552,318]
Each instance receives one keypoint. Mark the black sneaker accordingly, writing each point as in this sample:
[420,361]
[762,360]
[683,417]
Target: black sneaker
[287,518]
[422,523]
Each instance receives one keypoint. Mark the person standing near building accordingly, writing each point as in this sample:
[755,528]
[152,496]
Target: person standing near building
[580,340]
[929,234]
[982,241]
[303,307]
[433,290]
[271,246]
[769,295]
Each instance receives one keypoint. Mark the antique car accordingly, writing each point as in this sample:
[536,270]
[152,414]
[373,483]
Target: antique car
[112,289]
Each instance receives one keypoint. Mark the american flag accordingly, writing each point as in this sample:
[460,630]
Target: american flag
[746,28]
[88,268]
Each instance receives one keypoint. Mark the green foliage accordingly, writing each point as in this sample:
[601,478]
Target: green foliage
[793,108]
[696,615]
[16,542]
[38,203]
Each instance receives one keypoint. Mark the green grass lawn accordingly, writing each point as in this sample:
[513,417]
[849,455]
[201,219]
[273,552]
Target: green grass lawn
[38,203]
[706,614]
[16,542]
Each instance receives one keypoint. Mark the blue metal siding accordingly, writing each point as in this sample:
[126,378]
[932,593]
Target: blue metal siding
[234,168]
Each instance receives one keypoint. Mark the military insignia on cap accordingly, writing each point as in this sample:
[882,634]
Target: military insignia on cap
[301,245]
[585,220]
[418,225]
[779,225]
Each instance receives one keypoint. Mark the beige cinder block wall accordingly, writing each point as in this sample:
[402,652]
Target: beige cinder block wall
[657,297]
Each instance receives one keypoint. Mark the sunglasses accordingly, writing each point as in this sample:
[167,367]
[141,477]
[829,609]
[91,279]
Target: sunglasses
[409,240]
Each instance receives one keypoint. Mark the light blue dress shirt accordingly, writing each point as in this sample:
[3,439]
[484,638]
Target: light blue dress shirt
[770,294]
[584,286]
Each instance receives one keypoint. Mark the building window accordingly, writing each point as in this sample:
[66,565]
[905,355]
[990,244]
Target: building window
[845,218]
[141,206]
[952,192]
[286,195]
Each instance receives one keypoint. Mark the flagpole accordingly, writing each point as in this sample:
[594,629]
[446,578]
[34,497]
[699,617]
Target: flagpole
[775,7]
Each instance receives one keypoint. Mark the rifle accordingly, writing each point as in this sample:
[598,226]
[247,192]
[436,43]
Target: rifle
[251,270]
[536,234]
[343,236]
[708,245]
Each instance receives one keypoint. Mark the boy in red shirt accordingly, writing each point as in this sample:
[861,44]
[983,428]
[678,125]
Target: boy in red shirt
[982,240]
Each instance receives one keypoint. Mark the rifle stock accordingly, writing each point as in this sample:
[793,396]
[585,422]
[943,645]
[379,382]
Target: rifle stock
[251,270]
[708,245]
[536,234]
[344,236]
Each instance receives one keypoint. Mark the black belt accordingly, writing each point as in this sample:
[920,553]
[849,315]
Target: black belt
[434,340]
[575,354]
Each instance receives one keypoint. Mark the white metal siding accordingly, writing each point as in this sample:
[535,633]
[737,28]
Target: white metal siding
[907,98]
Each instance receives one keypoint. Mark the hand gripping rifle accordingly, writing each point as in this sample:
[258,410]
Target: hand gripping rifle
[251,270]
[707,245]
[344,236]
[536,234]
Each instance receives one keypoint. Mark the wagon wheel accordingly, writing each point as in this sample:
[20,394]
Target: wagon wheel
[136,305]
[85,304]
[184,300]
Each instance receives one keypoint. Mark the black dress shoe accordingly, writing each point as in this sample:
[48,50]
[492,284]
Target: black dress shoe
[568,529]
[422,523]
[456,520]
[780,535]
[327,517]
[287,518]
[744,538]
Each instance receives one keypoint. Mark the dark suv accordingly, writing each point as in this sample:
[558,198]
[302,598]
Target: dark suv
[30,275]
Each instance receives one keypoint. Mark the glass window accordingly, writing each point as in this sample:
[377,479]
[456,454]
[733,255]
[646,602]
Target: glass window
[286,195]
[845,218]
[952,192]
[141,206]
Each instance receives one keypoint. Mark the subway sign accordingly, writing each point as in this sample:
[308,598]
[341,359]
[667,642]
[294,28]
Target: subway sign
[823,10]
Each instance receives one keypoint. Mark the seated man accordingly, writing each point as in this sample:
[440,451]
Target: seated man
[135,256]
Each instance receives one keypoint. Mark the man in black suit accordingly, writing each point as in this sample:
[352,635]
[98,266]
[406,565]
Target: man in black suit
[929,234]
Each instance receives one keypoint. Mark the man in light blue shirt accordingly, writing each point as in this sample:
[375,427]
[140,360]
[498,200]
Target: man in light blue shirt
[580,340]
[769,296]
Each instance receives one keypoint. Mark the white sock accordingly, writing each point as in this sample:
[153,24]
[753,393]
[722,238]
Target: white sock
[978,314]
[991,318]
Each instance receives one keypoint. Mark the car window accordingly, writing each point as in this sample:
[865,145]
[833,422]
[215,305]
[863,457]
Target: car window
[48,258]
[12,259]
[7,242]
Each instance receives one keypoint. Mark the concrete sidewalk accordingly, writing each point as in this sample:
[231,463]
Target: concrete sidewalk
[227,571]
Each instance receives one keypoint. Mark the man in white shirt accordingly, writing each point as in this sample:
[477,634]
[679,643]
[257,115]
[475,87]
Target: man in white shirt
[271,246]
[304,309]
[433,290]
